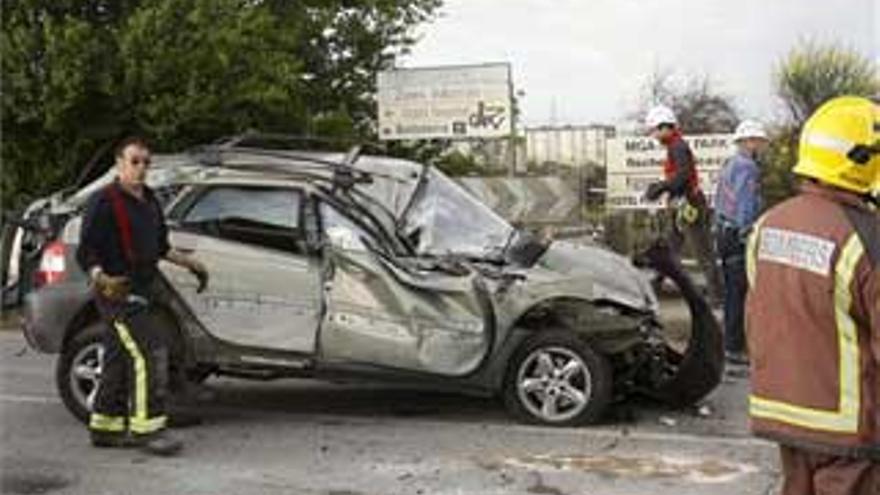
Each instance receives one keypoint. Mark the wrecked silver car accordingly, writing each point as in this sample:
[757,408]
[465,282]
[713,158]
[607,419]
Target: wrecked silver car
[349,266]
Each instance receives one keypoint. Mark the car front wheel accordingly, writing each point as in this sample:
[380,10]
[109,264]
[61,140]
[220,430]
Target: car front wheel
[556,379]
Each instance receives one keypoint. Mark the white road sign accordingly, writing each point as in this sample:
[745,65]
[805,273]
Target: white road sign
[634,162]
[456,102]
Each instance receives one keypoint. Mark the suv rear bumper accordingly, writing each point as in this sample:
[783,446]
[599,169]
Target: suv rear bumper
[48,312]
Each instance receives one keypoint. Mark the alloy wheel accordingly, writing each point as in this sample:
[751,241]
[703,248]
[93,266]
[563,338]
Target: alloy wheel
[85,374]
[554,384]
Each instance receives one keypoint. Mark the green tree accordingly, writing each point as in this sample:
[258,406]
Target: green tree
[809,75]
[192,70]
[456,163]
[813,73]
[57,74]
[345,43]
[777,182]
[78,73]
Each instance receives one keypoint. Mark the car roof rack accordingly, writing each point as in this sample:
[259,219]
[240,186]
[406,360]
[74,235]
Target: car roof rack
[345,174]
[265,140]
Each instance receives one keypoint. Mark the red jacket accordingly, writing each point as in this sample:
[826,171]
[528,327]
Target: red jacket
[680,168]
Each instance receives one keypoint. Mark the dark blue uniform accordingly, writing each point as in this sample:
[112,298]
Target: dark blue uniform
[101,243]
[126,236]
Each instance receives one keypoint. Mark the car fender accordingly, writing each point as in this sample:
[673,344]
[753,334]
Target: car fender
[49,314]
[609,325]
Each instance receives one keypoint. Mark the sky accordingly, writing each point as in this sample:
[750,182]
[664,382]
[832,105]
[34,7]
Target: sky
[587,61]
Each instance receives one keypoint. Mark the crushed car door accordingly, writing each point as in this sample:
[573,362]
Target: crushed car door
[264,287]
[380,313]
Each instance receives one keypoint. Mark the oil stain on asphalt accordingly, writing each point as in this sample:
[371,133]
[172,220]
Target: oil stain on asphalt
[697,471]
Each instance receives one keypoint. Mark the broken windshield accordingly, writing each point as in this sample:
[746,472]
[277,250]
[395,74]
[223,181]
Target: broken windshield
[446,219]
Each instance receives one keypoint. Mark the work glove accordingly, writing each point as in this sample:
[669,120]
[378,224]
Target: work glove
[197,268]
[655,189]
[114,288]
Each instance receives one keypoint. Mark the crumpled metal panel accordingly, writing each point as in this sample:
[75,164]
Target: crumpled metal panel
[423,321]
[569,271]
[256,297]
[613,276]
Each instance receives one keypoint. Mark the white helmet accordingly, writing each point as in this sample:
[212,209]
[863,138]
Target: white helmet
[749,129]
[660,114]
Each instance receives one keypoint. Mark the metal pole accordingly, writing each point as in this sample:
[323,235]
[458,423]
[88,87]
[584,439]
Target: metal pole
[513,116]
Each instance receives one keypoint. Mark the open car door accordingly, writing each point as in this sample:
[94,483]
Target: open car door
[264,287]
[379,313]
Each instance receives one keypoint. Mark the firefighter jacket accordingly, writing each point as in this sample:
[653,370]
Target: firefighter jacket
[813,324]
[124,236]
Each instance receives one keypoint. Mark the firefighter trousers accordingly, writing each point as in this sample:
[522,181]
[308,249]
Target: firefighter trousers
[131,395]
[809,473]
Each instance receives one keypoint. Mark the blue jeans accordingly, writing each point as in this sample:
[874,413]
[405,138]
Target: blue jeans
[732,251]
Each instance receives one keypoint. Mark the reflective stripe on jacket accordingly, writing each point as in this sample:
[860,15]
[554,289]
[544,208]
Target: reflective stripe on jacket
[813,327]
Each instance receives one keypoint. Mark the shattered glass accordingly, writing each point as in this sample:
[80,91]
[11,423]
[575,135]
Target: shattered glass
[445,219]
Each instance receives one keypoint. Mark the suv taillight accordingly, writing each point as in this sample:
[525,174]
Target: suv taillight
[52,265]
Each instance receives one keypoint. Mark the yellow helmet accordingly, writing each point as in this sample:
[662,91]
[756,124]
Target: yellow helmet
[840,144]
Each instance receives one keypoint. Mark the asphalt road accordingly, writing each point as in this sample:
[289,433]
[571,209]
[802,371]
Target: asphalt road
[305,437]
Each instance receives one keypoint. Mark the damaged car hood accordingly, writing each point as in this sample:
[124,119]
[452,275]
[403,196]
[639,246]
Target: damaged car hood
[612,276]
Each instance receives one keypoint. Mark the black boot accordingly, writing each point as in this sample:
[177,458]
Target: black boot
[162,443]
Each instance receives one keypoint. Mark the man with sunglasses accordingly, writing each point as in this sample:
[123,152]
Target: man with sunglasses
[122,239]
[813,309]
[681,184]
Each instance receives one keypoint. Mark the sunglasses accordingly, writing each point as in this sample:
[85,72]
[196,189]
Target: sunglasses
[141,161]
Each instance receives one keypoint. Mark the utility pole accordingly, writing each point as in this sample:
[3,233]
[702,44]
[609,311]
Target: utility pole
[513,116]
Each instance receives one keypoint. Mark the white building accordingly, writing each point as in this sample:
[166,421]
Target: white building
[570,145]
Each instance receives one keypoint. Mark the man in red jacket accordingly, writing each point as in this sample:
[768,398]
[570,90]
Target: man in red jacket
[813,309]
[681,183]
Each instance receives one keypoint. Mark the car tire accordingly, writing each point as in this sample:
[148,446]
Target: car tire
[700,369]
[78,370]
[555,378]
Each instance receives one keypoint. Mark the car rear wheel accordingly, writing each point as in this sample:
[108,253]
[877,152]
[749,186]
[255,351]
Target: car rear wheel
[79,368]
[78,371]
[556,379]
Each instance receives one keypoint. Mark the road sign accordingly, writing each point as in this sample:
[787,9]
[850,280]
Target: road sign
[634,162]
[454,102]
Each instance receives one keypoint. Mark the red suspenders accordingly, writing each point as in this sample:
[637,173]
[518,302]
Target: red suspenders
[123,222]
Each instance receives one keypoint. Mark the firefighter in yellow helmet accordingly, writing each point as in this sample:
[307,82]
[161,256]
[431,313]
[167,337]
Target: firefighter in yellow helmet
[813,309]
